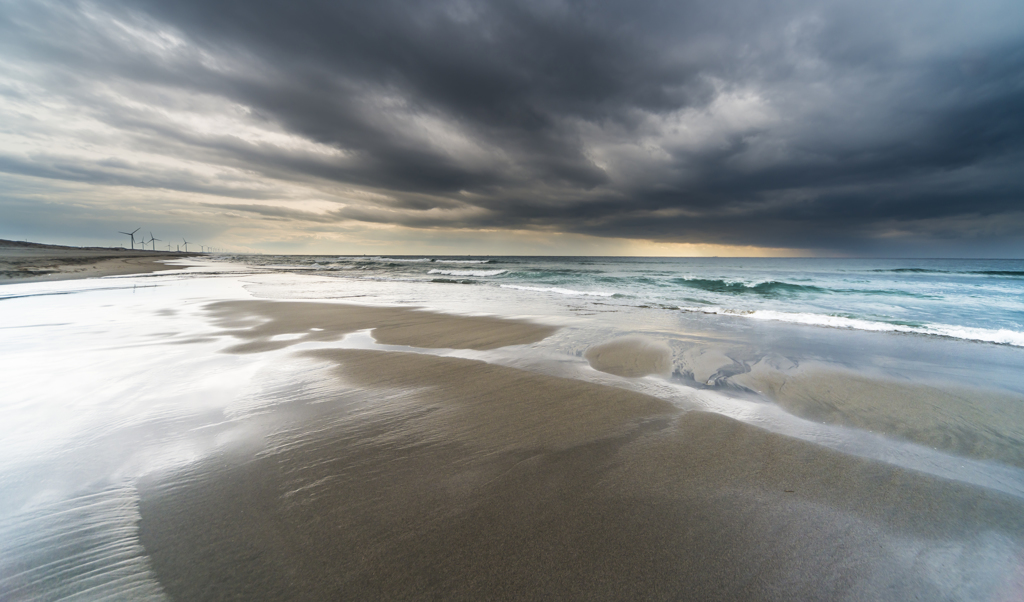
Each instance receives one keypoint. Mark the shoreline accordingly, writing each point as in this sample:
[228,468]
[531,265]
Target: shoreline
[35,262]
[416,476]
[278,448]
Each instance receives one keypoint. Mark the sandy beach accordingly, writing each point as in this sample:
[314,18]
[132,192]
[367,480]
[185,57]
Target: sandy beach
[434,477]
[33,262]
[511,300]
[481,482]
[418,466]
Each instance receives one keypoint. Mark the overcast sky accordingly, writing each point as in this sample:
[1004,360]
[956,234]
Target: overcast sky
[862,127]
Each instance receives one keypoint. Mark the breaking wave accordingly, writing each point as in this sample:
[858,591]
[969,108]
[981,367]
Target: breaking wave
[769,288]
[480,273]
[560,291]
[1001,336]
[400,260]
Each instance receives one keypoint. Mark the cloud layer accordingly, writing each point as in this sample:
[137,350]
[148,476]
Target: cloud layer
[855,127]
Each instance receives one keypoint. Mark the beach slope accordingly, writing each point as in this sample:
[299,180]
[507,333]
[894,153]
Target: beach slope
[26,262]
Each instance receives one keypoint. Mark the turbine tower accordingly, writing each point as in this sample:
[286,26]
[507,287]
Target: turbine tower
[132,235]
[186,244]
[153,240]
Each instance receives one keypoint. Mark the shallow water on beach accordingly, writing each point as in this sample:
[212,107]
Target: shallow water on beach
[965,299]
[120,380]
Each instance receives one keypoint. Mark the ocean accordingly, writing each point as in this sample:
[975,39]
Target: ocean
[970,299]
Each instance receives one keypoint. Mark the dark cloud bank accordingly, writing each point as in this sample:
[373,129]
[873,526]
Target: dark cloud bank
[857,127]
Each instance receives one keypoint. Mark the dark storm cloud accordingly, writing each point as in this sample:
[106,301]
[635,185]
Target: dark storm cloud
[847,126]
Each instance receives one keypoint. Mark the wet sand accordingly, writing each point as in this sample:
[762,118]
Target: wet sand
[330,473]
[975,422]
[978,421]
[631,356]
[261,324]
[414,476]
[28,262]
[987,425]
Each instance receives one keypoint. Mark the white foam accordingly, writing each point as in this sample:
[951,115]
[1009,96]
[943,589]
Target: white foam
[462,260]
[418,260]
[285,266]
[1001,336]
[560,291]
[332,267]
[467,272]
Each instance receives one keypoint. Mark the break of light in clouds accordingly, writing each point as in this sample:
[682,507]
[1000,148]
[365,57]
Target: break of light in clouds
[733,127]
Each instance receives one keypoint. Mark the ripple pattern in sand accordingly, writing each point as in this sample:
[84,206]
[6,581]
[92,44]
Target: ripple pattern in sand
[81,548]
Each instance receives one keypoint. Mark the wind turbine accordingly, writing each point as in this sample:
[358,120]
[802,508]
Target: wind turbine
[153,240]
[201,249]
[186,244]
[132,234]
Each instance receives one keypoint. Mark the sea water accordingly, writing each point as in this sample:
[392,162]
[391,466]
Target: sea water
[970,299]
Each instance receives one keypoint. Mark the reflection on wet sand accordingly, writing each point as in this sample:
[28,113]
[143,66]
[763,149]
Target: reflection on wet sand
[266,325]
[189,442]
[438,477]
[976,422]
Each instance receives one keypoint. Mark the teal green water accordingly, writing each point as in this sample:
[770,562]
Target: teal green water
[962,298]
